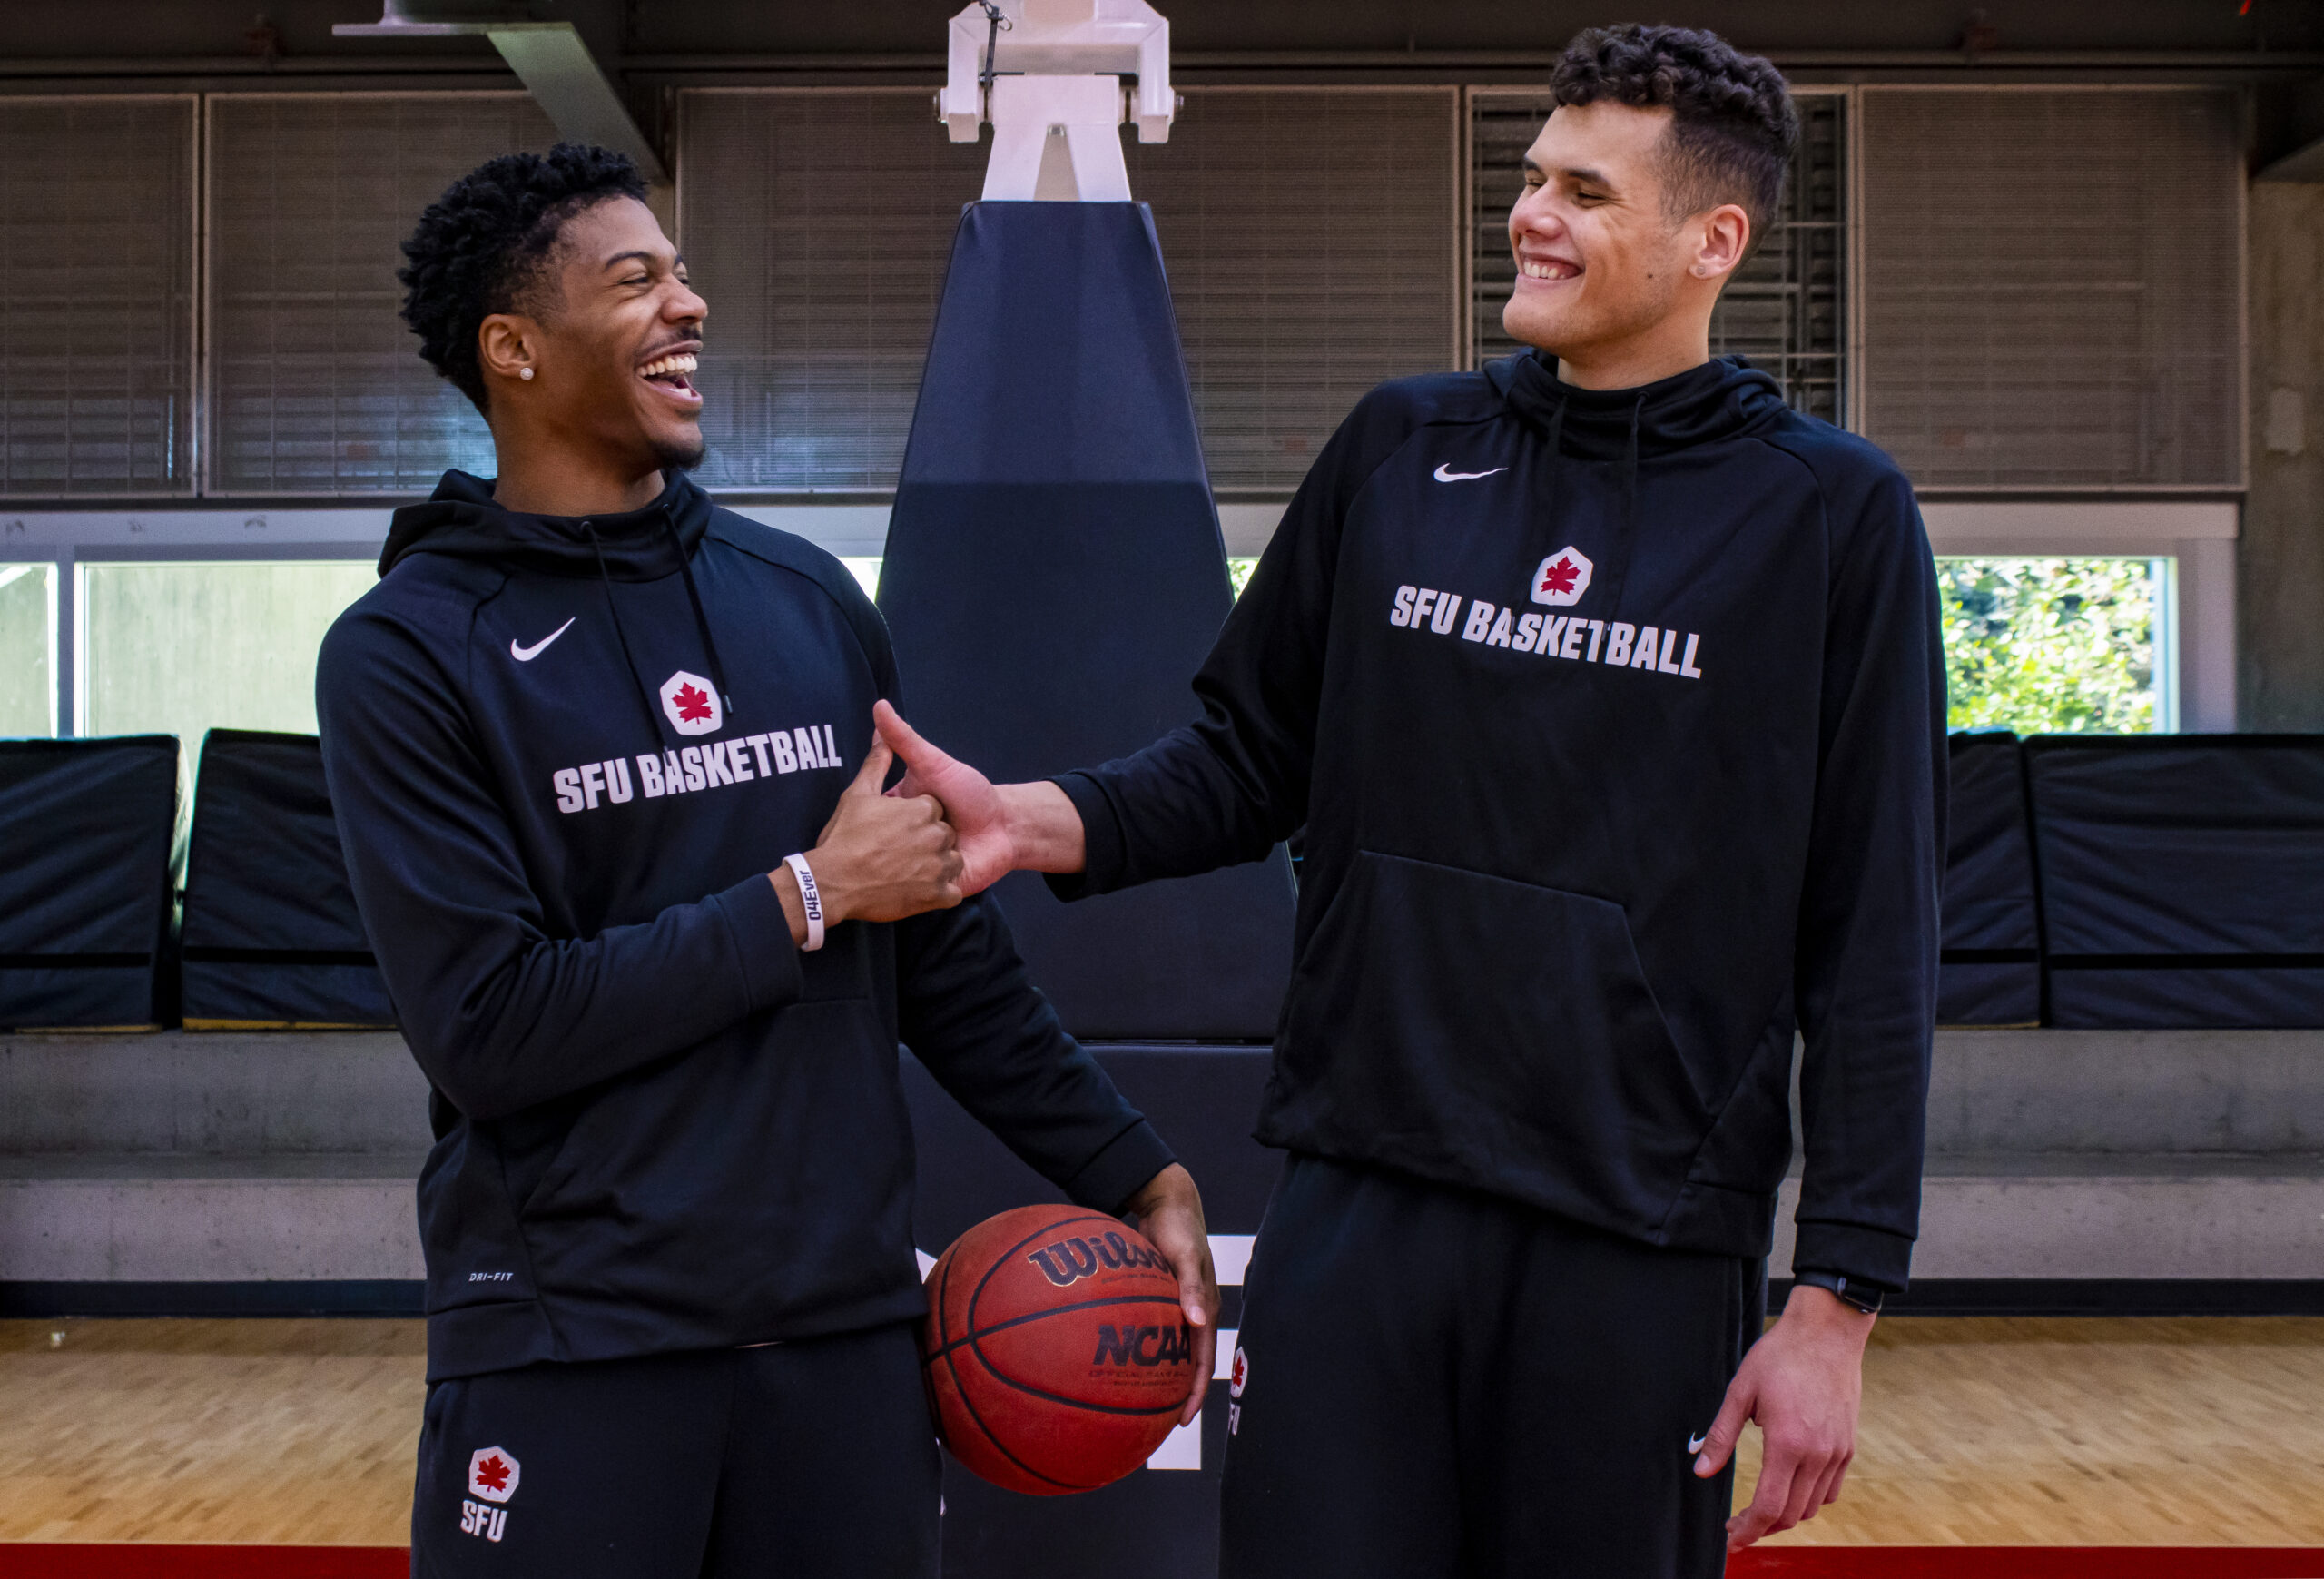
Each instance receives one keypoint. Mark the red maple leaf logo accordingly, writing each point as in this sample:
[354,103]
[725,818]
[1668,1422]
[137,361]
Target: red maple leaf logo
[692,705]
[1559,577]
[493,1474]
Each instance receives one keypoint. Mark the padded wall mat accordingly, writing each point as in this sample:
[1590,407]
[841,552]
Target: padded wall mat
[87,831]
[1054,576]
[271,936]
[2182,878]
[1990,972]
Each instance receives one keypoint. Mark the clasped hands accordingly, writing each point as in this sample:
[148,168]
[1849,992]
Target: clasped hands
[943,832]
[946,832]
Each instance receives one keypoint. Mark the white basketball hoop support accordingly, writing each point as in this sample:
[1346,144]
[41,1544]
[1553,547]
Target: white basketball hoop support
[1054,92]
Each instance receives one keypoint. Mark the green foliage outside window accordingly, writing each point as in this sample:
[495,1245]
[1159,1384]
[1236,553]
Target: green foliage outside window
[2050,646]
[1238,572]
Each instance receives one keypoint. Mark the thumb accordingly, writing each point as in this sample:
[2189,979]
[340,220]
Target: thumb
[1742,1395]
[874,771]
[918,755]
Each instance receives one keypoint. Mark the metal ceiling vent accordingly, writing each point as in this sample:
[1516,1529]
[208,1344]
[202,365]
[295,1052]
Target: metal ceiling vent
[2053,286]
[548,57]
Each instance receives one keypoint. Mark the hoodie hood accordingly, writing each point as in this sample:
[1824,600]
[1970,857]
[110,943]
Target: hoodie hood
[462,519]
[1722,398]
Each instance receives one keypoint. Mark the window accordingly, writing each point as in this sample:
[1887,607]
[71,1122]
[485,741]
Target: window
[2057,645]
[817,222]
[316,385]
[96,295]
[2052,285]
[1783,310]
[179,648]
[27,643]
[1311,237]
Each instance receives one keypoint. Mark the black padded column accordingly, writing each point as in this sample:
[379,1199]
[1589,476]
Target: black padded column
[1055,576]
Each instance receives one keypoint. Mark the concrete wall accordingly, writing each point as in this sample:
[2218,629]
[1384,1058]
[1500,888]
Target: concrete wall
[2281,574]
[2052,1154]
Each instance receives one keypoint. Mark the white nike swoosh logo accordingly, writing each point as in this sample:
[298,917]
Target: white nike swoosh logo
[1695,1443]
[526,655]
[1445,476]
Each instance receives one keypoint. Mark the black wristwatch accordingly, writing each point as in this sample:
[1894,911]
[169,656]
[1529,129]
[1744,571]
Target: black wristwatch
[1857,1296]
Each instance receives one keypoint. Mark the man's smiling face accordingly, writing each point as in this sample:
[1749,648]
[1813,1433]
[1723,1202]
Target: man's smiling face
[620,331]
[1598,257]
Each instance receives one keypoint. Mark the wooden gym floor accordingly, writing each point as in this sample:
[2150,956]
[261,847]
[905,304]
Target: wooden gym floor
[2083,1432]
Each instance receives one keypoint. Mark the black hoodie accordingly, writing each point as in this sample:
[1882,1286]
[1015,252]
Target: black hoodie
[1616,720]
[564,755]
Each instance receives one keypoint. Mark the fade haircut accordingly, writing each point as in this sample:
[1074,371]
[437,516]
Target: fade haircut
[1732,125]
[482,247]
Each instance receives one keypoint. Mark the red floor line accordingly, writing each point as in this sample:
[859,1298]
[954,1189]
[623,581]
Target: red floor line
[96,1561]
[28,1561]
[2029,1562]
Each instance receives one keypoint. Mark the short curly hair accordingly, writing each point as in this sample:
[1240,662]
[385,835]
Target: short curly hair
[1733,127]
[479,248]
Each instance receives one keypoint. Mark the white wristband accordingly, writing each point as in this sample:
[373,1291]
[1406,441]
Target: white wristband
[809,900]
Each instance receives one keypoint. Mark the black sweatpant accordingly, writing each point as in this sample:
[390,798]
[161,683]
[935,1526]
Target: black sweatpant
[1435,1383]
[807,1460]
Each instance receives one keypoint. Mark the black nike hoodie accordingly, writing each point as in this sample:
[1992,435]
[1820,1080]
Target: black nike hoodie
[564,755]
[1616,721]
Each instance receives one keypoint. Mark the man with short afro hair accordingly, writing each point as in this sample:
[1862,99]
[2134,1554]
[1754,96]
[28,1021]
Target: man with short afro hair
[604,764]
[480,248]
[1608,691]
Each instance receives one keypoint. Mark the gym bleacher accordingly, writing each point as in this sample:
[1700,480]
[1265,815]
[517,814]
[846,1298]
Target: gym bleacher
[203,1110]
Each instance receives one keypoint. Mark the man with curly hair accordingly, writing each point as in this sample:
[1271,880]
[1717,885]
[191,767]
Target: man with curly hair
[606,774]
[1609,692]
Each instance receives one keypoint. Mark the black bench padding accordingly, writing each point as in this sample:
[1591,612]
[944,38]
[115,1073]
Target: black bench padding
[87,832]
[1989,972]
[271,936]
[2182,878]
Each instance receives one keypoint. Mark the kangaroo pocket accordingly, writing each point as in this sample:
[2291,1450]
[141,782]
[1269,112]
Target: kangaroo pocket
[1486,1032]
[750,1188]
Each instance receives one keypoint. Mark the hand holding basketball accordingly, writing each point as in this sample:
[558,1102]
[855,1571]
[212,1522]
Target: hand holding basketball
[1057,1357]
[1169,1213]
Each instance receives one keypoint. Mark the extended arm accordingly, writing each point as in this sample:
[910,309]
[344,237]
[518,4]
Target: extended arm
[1224,789]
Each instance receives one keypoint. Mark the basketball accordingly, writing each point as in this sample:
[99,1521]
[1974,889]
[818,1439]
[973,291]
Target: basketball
[1057,1355]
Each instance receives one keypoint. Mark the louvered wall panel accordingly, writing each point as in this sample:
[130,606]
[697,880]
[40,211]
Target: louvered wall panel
[2052,285]
[1784,310]
[96,295]
[1311,241]
[816,223]
[316,385]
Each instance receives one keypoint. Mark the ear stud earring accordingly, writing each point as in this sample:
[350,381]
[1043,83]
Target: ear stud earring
[523,372]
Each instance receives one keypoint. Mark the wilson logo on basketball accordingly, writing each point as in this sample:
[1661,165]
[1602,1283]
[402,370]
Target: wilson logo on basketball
[1067,1261]
[1144,1346]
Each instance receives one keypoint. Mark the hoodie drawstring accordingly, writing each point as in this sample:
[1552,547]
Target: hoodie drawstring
[702,620]
[1626,544]
[604,577]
